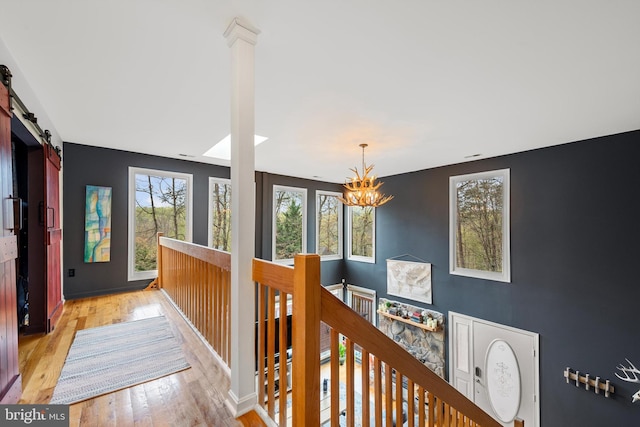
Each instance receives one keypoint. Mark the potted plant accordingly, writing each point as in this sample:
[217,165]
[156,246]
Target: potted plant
[342,353]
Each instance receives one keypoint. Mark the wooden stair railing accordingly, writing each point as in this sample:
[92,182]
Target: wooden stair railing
[431,400]
[198,280]
[445,406]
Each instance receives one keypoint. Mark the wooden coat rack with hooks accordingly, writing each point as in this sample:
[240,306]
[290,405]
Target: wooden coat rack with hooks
[590,383]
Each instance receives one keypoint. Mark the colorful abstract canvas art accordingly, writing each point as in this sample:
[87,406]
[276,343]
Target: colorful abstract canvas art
[97,224]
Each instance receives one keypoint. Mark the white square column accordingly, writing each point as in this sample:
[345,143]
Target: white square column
[241,38]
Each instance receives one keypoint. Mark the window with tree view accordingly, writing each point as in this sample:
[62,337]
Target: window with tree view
[289,222]
[220,214]
[362,233]
[159,201]
[328,225]
[480,225]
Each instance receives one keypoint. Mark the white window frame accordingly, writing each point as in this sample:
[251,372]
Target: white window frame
[339,255]
[133,171]
[277,188]
[505,274]
[212,182]
[350,255]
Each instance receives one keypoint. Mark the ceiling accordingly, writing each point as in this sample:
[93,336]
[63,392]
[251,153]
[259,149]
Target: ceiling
[424,82]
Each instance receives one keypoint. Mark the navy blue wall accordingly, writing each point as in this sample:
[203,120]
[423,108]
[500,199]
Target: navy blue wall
[85,165]
[575,242]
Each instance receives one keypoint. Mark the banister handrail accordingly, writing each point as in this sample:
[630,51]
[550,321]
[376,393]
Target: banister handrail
[341,318]
[280,278]
[209,255]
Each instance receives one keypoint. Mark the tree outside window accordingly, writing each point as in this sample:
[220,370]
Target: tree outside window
[328,225]
[289,217]
[479,225]
[362,233]
[159,202]
[220,214]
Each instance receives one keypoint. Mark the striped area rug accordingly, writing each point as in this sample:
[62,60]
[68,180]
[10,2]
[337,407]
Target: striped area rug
[109,358]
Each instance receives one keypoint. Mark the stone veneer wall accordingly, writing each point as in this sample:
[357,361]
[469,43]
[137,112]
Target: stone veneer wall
[426,346]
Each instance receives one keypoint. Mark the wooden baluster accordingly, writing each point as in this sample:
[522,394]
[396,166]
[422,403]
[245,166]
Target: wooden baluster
[159,260]
[216,322]
[223,315]
[398,398]
[350,383]
[282,380]
[215,312]
[271,351]
[388,394]
[421,406]
[227,308]
[432,409]
[260,340]
[335,379]
[447,414]
[377,389]
[190,283]
[410,403]
[199,280]
[366,395]
[208,308]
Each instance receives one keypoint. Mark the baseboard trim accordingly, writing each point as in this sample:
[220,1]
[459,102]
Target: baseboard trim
[239,407]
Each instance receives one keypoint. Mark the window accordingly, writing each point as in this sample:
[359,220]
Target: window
[328,225]
[362,233]
[289,222]
[479,241]
[220,214]
[159,201]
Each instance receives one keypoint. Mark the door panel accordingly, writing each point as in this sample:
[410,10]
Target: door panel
[461,363]
[512,352]
[484,335]
[10,387]
[53,236]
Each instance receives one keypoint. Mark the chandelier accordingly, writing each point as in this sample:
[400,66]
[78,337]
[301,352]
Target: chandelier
[363,190]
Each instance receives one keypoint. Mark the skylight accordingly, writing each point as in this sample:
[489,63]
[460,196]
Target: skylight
[222,149]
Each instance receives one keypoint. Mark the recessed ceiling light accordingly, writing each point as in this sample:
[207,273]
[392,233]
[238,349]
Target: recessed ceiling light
[185,155]
[222,149]
[472,156]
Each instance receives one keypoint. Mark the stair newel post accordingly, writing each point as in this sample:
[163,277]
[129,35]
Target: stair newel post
[306,340]
[159,260]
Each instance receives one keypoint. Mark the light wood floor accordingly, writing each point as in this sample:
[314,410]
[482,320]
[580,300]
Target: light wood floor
[193,397]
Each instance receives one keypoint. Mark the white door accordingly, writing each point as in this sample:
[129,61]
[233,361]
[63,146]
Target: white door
[496,366]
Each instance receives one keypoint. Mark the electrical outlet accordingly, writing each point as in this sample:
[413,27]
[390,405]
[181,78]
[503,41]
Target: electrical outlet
[72,272]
